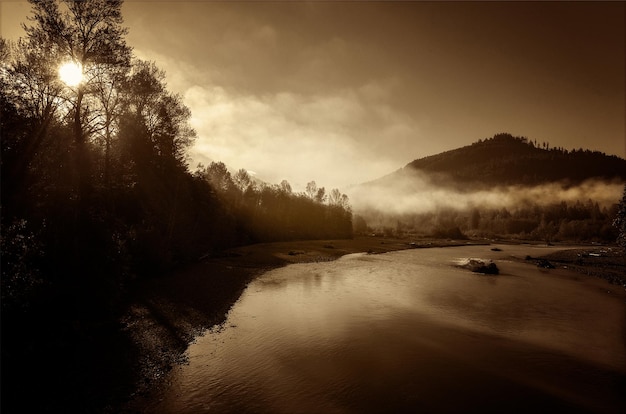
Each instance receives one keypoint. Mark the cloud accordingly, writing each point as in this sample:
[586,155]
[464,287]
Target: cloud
[337,137]
[387,90]
[334,139]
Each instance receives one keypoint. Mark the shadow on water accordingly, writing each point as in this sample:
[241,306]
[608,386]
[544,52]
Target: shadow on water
[429,368]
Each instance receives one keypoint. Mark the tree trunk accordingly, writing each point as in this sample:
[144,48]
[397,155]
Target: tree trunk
[79,137]
[82,155]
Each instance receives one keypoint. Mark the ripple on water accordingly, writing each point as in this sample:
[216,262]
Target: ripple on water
[408,331]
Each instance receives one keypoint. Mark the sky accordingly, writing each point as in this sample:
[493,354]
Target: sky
[346,92]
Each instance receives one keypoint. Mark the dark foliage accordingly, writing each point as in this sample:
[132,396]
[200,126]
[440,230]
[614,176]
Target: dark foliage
[274,212]
[449,233]
[96,195]
[575,222]
[508,160]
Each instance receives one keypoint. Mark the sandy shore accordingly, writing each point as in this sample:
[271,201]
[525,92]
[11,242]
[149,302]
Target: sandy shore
[167,313]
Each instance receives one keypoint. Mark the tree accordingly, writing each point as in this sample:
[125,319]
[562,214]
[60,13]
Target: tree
[109,92]
[30,91]
[162,115]
[146,82]
[172,135]
[69,242]
[285,186]
[89,35]
[242,179]
[620,220]
[218,175]
[320,197]
[335,198]
[311,189]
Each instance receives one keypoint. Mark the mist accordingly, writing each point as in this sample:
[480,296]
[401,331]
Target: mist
[411,192]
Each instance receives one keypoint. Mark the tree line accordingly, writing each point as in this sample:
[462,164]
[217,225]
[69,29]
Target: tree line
[95,173]
[96,193]
[275,212]
[574,221]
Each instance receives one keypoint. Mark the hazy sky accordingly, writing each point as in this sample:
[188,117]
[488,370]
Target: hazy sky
[343,93]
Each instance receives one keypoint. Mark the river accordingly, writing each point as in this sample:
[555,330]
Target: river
[408,331]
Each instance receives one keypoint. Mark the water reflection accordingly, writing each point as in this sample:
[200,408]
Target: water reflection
[408,331]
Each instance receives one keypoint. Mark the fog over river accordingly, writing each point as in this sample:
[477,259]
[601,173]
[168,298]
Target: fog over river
[409,332]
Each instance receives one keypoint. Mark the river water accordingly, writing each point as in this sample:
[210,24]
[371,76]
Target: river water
[409,332]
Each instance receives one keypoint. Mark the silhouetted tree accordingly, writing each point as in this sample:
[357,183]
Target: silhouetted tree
[89,34]
[311,189]
[218,175]
[162,115]
[285,186]
[242,179]
[30,91]
[96,194]
[274,212]
[321,197]
[334,198]
[70,246]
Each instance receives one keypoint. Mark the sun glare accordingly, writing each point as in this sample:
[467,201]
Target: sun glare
[71,73]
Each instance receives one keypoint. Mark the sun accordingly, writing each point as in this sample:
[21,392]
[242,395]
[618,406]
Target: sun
[71,73]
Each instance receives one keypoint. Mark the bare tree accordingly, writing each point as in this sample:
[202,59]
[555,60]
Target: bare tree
[30,83]
[311,190]
[89,34]
[334,198]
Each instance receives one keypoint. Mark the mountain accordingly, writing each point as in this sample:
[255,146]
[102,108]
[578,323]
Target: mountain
[508,160]
[503,186]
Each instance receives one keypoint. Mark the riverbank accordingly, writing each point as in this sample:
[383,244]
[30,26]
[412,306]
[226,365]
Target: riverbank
[167,313]
[605,262]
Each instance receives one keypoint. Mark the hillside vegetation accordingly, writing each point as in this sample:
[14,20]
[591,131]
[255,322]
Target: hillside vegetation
[508,160]
[503,186]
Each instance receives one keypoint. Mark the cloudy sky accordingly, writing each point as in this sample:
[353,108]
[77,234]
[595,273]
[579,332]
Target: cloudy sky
[343,93]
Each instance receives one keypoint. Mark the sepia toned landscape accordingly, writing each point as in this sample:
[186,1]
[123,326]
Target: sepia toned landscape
[312,207]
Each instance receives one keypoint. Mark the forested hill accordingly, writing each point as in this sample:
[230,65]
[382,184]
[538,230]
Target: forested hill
[508,160]
[501,187]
